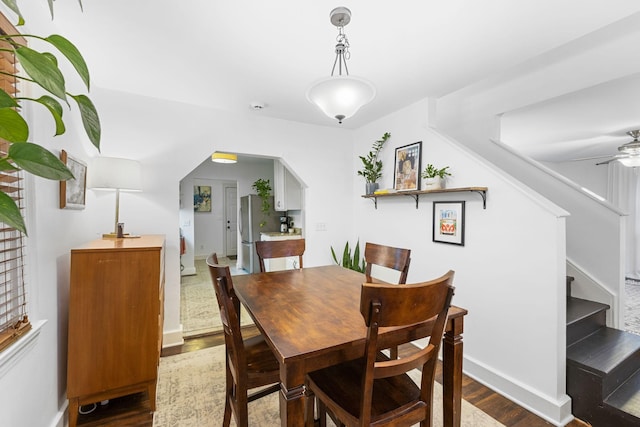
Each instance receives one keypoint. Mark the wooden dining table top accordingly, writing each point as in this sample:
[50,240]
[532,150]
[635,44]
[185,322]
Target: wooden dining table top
[311,319]
[313,312]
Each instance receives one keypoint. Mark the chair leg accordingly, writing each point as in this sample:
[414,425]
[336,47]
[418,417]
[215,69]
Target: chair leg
[226,421]
[229,391]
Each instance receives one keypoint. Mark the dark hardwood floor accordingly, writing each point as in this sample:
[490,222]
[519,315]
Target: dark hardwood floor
[134,410]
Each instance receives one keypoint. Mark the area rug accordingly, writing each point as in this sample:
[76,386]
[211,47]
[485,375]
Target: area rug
[190,393]
[632,306]
[198,306]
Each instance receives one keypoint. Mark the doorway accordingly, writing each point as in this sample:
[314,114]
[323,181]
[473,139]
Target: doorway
[231,221]
[215,231]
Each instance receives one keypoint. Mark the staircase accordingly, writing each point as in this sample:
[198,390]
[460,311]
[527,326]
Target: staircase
[603,366]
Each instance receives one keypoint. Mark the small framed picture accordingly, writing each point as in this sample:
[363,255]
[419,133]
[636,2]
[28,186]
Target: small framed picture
[73,191]
[448,222]
[406,174]
[202,198]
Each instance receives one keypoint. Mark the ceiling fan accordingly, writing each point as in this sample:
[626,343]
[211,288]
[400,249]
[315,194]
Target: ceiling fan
[629,152]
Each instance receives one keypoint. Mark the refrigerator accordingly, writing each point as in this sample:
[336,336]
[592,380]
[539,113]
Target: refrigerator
[250,217]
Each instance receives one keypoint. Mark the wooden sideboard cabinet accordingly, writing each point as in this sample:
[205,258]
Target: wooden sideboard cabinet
[116,303]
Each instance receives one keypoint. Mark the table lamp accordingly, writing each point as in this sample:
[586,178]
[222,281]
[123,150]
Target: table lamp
[112,173]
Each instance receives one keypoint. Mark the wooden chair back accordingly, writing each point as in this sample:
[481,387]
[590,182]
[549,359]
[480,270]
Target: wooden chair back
[250,363]
[229,306]
[279,249]
[385,305]
[346,391]
[386,256]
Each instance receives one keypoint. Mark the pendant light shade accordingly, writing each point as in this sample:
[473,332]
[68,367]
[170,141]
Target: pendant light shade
[219,157]
[342,95]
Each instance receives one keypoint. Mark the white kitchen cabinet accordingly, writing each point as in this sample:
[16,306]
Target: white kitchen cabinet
[286,188]
[286,263]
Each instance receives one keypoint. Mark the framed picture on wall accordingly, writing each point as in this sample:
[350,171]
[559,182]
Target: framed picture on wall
[448,222]
[202,198]
[73,191]
[406,174]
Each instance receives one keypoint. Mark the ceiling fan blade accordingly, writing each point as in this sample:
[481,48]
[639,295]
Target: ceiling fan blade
[607,161]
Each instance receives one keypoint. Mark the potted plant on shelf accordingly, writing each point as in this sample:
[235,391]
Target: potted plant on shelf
[371,166]
[263,188]
[434,178]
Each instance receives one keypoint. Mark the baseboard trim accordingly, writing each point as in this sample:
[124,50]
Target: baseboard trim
[61,419]
[172,338]
[188,271]
[554,411]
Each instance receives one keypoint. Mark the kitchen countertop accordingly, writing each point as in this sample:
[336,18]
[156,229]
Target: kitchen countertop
[279,234]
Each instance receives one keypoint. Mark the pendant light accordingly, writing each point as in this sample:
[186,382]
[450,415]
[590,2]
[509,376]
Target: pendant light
[341,96]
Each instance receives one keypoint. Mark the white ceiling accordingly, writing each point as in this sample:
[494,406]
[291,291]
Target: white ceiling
[228,54]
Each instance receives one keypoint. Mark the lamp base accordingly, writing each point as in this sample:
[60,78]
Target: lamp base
[115,236]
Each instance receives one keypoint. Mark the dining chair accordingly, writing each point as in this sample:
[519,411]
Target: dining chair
[389,257]
[377,390]
[250,363]
[267,249]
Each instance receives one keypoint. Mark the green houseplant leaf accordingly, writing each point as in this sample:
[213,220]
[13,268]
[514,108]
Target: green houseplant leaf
[7,100]
[39,161]
[371,166]
[42,70]
[13,127]
[90,119]
[348,261]
[263,188]
[430,171]
[72,53]
[55,109]
[13,5]
[10,213]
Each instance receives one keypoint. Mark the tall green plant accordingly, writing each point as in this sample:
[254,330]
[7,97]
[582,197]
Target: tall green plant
[371,166]
[354,262]
[40,68]
[263,188]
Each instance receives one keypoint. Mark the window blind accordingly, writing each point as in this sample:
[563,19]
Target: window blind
[14,320]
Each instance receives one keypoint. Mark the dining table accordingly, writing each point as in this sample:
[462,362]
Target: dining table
[311,319]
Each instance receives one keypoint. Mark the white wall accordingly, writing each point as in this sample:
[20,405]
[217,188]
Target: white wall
[585,174]
[595,229]
[509,273]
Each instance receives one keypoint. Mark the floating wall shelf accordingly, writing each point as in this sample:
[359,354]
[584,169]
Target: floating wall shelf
[416,194]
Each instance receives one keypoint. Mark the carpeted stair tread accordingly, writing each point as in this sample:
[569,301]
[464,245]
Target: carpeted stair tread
[604,350]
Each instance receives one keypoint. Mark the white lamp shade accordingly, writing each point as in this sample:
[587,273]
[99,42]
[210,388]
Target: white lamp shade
[341,96]
[112,173]
[630,162]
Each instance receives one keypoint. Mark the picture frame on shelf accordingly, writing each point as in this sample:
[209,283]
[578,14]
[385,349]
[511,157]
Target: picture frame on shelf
[449,222]
[73,191]
[202,198]
[407,165]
